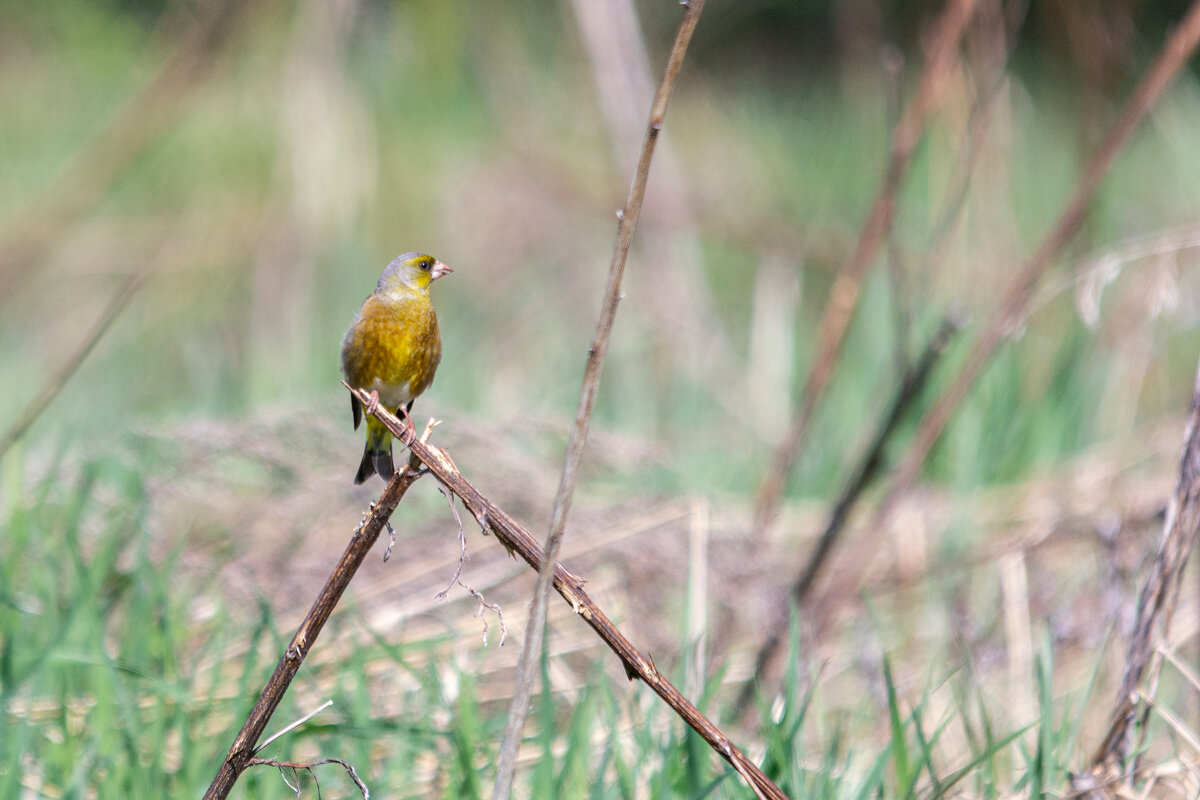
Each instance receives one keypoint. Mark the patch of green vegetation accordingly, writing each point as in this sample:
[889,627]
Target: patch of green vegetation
[121,674]
[475,133]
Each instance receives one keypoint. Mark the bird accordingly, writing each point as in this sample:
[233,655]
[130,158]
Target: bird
[392,351]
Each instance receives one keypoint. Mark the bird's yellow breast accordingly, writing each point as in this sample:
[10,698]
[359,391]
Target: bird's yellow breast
[393,347]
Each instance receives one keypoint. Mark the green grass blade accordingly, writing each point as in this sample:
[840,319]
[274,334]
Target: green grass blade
[904,776]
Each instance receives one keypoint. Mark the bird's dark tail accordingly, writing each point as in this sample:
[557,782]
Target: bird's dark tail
[377,455]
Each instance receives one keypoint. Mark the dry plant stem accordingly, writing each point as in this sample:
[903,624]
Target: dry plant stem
[897,275]
[1012,312]
[83,179]
[628,219]
[520,542]
[976,129]
[911,387]
[241,752]
[843,297]
[59,379]
[684,312]
[1156,604]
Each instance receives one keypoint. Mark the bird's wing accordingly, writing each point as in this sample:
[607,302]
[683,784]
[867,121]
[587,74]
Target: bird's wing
[356,410]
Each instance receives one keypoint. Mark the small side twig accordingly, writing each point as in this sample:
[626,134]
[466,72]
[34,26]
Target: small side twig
[387,551]
[843,296]
[627,224]
[521,543]
[484,605]
[910,389]
[481,613]
[307,766]
[462,544]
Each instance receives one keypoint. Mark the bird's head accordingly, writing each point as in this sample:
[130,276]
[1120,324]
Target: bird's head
[414,271]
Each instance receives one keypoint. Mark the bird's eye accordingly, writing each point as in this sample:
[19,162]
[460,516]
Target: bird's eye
[425,265]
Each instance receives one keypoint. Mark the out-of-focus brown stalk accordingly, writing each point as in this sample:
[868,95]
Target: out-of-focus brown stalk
[976,130]
[83,179]
[910,388]
[1157,602]
[843,297]
[1012,311]
[59,379]
[628,219]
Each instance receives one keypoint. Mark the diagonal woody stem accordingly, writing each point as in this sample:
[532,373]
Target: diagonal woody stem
[241,752]
[520,542]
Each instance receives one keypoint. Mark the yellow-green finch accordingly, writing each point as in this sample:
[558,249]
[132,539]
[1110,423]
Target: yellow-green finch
[391,351]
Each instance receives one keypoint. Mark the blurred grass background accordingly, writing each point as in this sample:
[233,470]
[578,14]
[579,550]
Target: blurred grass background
[316,140]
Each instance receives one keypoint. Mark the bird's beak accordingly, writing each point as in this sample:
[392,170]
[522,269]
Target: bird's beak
[439,269]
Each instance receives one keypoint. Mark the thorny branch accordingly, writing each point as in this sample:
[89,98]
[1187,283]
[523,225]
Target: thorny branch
[520,542]
[423,458]
[241,752]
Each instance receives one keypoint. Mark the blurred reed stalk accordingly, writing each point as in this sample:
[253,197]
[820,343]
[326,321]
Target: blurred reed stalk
[1014,309]
[55,383]
[995,34]
[1016,306]
[325,178]
[1108,770]
[911,387]
[843,297]
[86,175]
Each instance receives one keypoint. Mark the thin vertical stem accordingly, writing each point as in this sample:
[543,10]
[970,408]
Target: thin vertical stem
[628,219]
